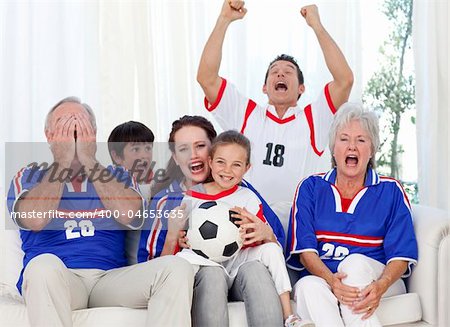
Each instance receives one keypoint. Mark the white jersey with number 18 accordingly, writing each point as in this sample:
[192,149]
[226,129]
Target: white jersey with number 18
[284,150]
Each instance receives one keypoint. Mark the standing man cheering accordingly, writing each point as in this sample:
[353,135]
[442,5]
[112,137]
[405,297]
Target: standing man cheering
[287,140]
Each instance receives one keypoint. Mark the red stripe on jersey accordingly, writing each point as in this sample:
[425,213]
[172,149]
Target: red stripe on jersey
[362,237]
[217,196]
[88,214]
[219,97]
[152,240]
[349,242]
[293,213]
[155,230]
[135,183]
[250,107]
[17,181]
[260,214]
[351,239]
[278,120]
[400,187]
[309,118]
[75,211]
[329,100]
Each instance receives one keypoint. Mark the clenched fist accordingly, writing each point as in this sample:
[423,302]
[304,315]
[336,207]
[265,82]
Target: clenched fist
[233,10]
[311,15]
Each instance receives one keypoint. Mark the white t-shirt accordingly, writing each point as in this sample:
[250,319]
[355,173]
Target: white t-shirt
[284,151]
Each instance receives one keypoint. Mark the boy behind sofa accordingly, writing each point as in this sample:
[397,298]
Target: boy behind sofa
[130,145]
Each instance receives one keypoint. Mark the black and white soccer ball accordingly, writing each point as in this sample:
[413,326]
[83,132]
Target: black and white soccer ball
[212,232]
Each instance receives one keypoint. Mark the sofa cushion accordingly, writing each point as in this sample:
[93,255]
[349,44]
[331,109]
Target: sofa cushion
[401,309]
[14,314]
[10,263]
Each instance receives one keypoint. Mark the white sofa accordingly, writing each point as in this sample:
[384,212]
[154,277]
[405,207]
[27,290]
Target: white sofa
[427,304]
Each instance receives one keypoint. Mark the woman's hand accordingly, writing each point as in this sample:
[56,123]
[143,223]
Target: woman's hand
[371,297]
[176,235]
[372,293]
[253,229]
[176,223]
[345,294]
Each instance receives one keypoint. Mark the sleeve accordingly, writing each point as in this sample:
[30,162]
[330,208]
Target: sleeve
[153,235]
[150,229]
[269,215]
[26,179]
[400,240]
[231,109]
[301,232]
[254,206]
[319,115]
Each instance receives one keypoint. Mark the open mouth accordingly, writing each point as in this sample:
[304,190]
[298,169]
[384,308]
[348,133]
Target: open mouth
[142,165]
[197,167]
[351,160]
[281,86]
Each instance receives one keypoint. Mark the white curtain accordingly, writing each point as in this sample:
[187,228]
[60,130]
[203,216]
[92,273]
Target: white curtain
[430,35]
[137,60]
[47,52]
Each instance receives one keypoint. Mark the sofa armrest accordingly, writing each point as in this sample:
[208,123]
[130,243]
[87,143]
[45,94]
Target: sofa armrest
[430,278]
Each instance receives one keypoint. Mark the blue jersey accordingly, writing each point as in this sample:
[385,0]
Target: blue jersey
[377,223]
[82,233]
[154,234]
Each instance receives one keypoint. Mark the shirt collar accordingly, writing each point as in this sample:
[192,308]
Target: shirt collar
[372,177]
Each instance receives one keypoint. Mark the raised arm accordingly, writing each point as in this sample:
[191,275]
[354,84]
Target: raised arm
[208,69]
[342,82]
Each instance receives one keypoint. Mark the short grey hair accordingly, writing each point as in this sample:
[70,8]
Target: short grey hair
[73,100]
[369,121]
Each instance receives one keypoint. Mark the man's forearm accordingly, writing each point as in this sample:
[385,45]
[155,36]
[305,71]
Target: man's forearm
[43,198]
[115,195]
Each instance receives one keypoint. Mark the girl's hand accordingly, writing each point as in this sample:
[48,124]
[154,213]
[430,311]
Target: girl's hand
[253,229]
[183,241]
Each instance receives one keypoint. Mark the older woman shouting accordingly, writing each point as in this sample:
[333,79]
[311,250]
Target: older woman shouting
[351,233]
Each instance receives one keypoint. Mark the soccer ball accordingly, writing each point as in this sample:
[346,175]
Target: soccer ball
[212,232]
